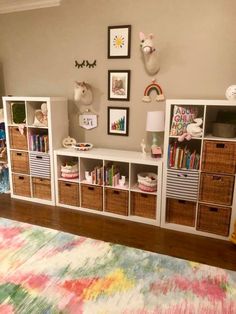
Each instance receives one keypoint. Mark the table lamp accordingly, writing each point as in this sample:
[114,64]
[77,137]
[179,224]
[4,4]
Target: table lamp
[155,123]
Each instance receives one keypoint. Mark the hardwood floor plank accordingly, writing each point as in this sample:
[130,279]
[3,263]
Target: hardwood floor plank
[146,237]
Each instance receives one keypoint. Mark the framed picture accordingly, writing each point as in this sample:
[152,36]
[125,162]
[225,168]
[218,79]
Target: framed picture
[118,120]
[119,38]
[118,84]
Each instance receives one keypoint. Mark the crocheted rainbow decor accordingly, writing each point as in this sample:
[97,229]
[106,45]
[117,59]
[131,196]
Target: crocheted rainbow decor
[153,87]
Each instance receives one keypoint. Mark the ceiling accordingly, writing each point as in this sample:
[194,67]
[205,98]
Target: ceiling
[8,6]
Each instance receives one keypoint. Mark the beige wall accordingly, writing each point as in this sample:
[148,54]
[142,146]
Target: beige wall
[196,40]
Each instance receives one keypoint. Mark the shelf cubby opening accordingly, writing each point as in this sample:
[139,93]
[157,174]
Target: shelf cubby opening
[38,140]
[184,155]
[140,174]
[182,115]
[16,113]
[91,171]
[221,122]
[116,174]
[35,116]
[68,168]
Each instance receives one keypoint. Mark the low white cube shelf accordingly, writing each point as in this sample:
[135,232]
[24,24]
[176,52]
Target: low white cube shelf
[101,194]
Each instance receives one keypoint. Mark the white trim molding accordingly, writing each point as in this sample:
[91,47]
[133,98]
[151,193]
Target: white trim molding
[8,6]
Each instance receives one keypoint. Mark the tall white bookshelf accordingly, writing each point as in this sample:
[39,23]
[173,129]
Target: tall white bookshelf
[30,146]
[201,201]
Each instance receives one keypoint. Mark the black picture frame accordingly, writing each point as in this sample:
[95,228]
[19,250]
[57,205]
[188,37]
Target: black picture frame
[118,121]
[119,85]
[119,42]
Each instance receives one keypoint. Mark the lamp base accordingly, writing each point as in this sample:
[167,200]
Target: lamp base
[156,151]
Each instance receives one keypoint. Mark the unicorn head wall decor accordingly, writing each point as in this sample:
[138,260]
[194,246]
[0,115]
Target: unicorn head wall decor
[150,54]
[83,93]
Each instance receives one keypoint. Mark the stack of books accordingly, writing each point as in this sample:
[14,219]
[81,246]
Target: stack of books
[182,158]
[39,143]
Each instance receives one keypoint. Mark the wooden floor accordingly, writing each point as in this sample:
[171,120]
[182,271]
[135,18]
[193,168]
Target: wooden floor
[195,248]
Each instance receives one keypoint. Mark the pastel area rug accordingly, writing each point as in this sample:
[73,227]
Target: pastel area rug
[47,271]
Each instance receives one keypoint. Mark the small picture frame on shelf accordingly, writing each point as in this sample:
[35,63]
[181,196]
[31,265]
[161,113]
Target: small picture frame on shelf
[118,121]
[119,39]
[119,85]
[18,112]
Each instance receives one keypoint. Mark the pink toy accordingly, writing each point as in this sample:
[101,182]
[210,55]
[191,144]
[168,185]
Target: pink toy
[184,136]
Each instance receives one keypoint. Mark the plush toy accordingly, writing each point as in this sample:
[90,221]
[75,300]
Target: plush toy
[41,116]
[150,54]
[193,130]
[231,92]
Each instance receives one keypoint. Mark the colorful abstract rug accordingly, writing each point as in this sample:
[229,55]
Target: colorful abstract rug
[47,271]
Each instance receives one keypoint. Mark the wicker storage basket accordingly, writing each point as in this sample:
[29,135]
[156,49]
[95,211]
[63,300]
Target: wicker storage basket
[20,162]
[116,201]
[18,140]
[180,212]
[214,219]
[21,185]
[216,189]
[41,188]
[92,196]
[143,205]
[68,193]
[219,157]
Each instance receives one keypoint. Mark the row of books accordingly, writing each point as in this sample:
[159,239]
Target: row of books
[97,175]
[109,174]
[112,175]
[182,158]
[39,143]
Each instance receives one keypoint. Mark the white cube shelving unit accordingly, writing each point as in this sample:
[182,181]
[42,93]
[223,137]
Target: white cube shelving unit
[31,166]
[201,201]
[120,201]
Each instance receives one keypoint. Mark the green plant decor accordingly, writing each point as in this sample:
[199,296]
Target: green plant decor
[18,112]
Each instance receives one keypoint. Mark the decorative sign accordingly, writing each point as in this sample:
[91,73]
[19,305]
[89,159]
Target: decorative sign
[88,121]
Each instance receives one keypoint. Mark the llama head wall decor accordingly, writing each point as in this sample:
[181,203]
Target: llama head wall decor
[150,54]
[83,93]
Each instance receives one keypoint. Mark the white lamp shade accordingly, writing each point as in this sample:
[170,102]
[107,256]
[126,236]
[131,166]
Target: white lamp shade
[155,121]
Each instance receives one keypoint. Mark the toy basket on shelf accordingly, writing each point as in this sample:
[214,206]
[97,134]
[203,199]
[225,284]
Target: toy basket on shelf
[147,181]
[69,171]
